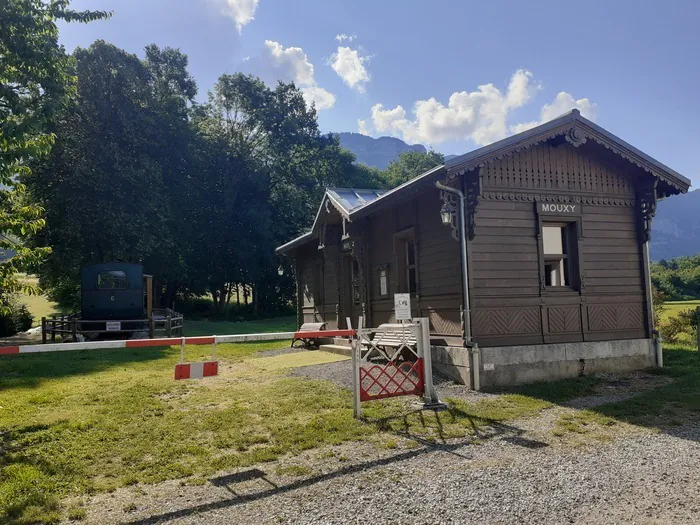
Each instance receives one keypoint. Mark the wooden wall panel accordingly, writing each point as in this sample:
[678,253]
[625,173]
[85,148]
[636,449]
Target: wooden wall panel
[504,254]
[439,276]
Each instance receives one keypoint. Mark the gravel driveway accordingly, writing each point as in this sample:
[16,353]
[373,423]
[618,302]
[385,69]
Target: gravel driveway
[518,474]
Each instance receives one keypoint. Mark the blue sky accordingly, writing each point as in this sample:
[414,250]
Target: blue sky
[413,69]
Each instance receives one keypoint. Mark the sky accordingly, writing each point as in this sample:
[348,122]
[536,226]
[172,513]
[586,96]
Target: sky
[452,75]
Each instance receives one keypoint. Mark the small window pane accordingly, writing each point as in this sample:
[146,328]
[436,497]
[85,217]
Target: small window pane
[412,280]
[383,288]
[112,280]
[552,239]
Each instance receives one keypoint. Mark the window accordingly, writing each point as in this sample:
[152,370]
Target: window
[383,282]
[558,242]
[407,262]
[111,280]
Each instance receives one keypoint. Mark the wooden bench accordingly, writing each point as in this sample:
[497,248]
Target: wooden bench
[312,328]
[308,333]
[392,336]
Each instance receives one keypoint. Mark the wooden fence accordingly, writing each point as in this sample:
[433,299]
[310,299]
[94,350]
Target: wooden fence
[165,322]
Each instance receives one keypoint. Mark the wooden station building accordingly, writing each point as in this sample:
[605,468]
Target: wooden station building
[557,224]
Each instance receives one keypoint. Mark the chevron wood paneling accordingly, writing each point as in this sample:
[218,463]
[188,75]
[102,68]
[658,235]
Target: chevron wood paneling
[564,319]
[603,318]
[492,321]
[446,322]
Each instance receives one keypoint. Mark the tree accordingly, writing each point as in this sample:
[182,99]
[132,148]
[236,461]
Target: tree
[103,185]
[34,83]
[270,163]
[410,164]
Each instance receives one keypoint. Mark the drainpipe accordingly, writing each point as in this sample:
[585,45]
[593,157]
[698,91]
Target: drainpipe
[474,349]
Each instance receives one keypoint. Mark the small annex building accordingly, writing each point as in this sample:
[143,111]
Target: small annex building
[557,221]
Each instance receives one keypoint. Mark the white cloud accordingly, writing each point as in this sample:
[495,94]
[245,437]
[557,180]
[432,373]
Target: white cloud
[562,103]
[479,115]
[350,66]
[290,64]
[242,11]
[323,98]
[362,127]
[342,37]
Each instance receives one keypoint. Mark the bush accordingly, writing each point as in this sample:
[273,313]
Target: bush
[680,327]
[18,319]
[202,308]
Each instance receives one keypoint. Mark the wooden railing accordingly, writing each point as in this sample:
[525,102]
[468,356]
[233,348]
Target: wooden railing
[165,322]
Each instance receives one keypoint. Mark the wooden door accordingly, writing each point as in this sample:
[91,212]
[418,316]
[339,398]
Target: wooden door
[350,299]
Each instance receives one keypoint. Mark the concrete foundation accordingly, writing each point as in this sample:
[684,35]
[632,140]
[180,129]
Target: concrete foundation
[514,365]
[452,362]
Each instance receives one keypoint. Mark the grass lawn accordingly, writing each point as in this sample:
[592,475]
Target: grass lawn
[39,305]
[80,422]
[671,308]
[277,324]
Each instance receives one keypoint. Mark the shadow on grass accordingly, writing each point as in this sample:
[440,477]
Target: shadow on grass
[29,370]
[484,429]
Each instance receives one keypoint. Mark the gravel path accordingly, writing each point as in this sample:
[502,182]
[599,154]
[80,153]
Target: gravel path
[514,477]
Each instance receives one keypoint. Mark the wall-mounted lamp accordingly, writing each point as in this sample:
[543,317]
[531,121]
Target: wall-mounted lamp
[280,271]
[446,215]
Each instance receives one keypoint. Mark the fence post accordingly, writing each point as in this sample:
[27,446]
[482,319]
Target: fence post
[74,329]
[356,356]
[168,326]
[151,328]
[53,328]
[430,395]
[43,330]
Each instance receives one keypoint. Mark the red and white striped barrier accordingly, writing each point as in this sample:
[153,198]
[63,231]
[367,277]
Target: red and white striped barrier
[200,369]
[143,343]
[196,370]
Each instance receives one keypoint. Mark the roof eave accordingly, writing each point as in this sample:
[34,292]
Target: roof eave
[560,126]
[294,243]
[392,194]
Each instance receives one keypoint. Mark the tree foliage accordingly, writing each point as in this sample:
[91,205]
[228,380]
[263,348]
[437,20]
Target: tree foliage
[677,279]
[34,83]
[201,194]
[410,164]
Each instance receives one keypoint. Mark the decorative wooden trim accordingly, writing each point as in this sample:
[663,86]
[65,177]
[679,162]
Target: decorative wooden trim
[472,193]
[524,196]
[646,198]
[575,134]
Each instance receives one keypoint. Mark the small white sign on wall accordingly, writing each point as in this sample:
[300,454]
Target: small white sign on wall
[402,306]
[114,326]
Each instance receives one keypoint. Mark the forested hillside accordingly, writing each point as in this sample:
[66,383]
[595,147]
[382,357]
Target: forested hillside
[676,227]
[376,152]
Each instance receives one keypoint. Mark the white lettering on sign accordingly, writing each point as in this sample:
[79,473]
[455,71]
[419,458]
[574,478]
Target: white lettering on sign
[402,306]
[114,326]
[558,208]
